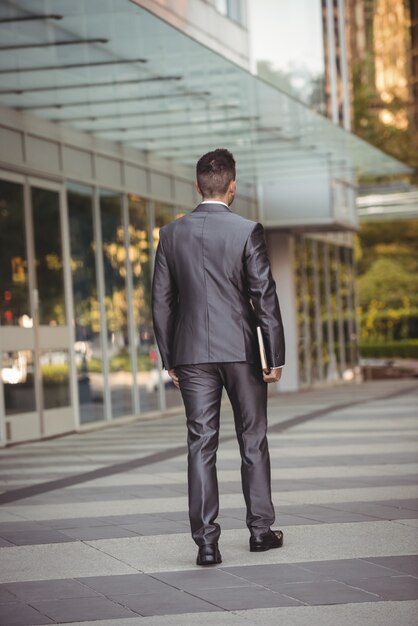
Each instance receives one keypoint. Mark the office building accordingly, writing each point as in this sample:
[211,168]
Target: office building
[105,107]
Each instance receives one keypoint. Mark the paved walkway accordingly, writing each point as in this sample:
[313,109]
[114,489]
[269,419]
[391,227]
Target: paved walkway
[94,528]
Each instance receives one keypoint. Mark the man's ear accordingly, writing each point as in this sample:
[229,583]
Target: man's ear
[233,186]
[198,190]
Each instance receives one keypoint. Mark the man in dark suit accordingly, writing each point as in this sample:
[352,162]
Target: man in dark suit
[212,286]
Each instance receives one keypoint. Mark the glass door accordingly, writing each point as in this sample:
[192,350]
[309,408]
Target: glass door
[37,365]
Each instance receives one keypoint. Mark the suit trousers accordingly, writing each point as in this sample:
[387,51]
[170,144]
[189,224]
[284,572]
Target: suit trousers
[201,387]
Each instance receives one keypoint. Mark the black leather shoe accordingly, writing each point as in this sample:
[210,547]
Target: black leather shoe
[209,555]
[271,539]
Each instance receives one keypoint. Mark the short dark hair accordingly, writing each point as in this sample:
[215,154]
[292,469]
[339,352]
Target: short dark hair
[214,172]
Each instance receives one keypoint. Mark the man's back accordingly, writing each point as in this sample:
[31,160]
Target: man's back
[214,271]
[212,285]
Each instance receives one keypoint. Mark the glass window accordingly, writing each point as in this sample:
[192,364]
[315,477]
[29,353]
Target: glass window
[164,214]
[14,288]
[18,376]
[140,258]
[48,256]
[302,302]
[55,379]
[86,304]
[114,265]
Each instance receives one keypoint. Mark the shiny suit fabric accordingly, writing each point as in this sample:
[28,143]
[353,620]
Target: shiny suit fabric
[212,285]
[209,265]
[201,388]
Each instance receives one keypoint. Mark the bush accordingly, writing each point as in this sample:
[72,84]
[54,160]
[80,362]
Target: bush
[403,349]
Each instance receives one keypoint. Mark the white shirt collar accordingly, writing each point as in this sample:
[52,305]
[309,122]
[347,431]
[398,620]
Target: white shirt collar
[214,202]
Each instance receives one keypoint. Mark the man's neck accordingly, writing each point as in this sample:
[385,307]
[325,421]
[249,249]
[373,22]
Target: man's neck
[216,200]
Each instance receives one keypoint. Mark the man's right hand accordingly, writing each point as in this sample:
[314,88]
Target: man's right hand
[274,375]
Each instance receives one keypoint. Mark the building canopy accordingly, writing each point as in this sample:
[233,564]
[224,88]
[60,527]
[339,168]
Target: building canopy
[114,70]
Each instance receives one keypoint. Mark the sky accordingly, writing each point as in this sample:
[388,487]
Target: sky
[286,33]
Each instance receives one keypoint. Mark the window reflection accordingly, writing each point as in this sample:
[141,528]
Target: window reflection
[324,279]
[48,256]
[87,321]
[114,265]
[140,259]
[18,377]
[14,291]
[55,378]
[164,214]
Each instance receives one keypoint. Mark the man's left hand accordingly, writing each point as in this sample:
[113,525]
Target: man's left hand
[173,376]
[273,376]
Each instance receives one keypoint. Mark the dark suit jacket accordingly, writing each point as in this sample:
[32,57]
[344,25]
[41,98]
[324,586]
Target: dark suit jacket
[209,264]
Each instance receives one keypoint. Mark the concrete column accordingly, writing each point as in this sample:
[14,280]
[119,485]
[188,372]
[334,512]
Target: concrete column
[281,254]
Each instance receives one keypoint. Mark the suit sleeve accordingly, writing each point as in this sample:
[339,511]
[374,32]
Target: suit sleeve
[164,304]
[262,290]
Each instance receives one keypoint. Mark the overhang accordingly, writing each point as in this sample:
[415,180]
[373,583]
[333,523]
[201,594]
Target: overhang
[112,69]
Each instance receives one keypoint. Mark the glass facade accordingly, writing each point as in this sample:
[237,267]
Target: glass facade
[114,259]
[164,214]
[112,239]
[112,250]
[55,379]
[18,378]
[87,320]
[48,256]
[140,258]
[324,279]
[14,286]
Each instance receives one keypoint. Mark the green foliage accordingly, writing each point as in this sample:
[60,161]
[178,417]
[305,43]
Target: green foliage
[120,363]
[54,374]
[387,261]
[407,349]
[388,281]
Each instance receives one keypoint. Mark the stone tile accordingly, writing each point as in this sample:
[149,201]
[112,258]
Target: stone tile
[190,580]
[347,569]
[31,590]
[158,528]
[79,609]
[326,592]
[20,614]
[411,504]
[59,560]
[6,595]
[406,564]
[245,598]
[78,522]
[34,537]
[19,526]
[330,515]
[5,544]
[168,603]
[98,532]
[391,588]
[294,520]
[124,584]
[181,516]
[376,509]
[272,575]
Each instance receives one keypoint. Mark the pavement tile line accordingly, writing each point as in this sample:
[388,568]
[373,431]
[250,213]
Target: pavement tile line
[170,453]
